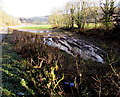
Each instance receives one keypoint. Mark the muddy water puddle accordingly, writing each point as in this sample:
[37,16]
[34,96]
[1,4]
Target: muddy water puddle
[34,31]
[72,45]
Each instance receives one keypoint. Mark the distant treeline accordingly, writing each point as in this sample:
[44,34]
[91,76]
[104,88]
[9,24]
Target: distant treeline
[35,20]
[7,20]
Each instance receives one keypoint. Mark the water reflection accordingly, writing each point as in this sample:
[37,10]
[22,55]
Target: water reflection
[34,31]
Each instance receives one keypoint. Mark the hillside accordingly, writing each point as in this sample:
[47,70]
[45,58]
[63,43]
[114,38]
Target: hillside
[7,20]
[35,20]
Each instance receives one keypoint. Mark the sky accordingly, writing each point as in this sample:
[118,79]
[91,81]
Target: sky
[30,8]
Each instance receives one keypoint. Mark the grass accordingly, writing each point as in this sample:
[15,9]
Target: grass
[90,25]
[11,68]
[16,77]
[36,27]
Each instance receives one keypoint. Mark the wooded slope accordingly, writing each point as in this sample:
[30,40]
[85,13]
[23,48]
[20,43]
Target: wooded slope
[7,20]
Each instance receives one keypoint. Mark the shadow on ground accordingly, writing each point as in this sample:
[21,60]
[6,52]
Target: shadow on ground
[11,73]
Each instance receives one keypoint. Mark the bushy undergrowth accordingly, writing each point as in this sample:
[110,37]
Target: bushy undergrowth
[42,64]
[50,73]
[108,84]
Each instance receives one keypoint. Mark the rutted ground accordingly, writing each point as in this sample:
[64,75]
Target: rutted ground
[71,44]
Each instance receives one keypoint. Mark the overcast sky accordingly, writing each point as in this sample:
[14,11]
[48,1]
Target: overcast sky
[30,8]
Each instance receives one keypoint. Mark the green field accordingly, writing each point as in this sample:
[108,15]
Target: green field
[90,25]
[36,27]
[46,27]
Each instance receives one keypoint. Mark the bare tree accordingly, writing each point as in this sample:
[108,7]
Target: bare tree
[108,10]
[94,12]
[56,19]
[69,14]
[80,16]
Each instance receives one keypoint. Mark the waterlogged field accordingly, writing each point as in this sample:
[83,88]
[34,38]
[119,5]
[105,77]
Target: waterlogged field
[36,27]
